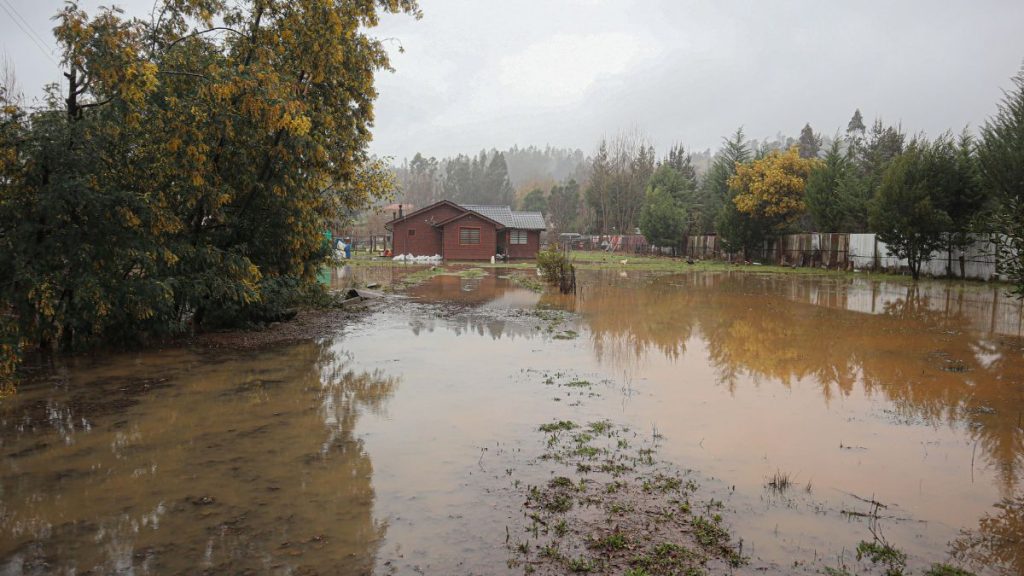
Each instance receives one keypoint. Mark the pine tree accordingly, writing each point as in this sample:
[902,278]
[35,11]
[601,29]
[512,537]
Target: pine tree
[497,189]
[957,184]
[1001,158]
[681,160]
[714,193]
[823,190]
[564,206]
[907,211]
[856,124]
[809,143]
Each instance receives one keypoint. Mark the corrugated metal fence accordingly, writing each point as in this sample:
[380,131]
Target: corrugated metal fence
[853,251]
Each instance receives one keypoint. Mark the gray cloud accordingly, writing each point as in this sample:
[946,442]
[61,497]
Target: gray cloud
[699,70]
[478,74]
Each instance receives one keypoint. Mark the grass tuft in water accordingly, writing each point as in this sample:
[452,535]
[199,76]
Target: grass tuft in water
[558,426]
[881,552]
[779,482]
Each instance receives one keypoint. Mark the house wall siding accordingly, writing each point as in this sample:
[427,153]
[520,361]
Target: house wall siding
[483,251]
[528,250]
[427,239]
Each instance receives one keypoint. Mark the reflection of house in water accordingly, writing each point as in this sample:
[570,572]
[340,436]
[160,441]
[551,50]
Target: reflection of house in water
[486,305]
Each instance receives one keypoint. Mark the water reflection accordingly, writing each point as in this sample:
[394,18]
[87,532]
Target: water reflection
[920,350]
[937,354]
[262,462]
[488,305]
[224,465]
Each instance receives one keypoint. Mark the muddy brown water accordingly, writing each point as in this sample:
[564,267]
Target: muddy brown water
[391,445]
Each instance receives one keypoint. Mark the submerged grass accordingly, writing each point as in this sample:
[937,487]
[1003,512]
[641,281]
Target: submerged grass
[421,276]
[878,552]
[530,282]
[606,488]
[780,482]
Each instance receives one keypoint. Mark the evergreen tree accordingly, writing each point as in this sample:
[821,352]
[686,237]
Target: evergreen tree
[669,199]
[870,156]
[663,219]
[823,192]
[739,232]
[496,187]
[598,193]
[856,124]
[1001,160]
[907,210]
[714,193]
[809,143]
[458,181]
[535,201]
[564,206]
[420,185]
[682,161]
[959,191]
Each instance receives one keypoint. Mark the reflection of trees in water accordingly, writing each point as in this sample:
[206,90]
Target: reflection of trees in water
[998,543]
[918,348]
[247,465]
[626,322]
[345,394]
[750,331]
[339,480]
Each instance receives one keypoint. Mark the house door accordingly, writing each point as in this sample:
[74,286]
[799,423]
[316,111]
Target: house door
[502,241]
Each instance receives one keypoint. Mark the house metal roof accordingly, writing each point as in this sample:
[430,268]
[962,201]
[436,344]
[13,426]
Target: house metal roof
[508,218]
[528,221]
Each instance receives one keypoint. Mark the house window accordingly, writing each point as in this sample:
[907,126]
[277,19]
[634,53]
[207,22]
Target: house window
[469,235]
[517,237]
[412,232]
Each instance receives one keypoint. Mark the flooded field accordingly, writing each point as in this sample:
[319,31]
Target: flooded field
[404,441]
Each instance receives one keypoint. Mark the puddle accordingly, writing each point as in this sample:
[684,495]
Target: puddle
[402,443]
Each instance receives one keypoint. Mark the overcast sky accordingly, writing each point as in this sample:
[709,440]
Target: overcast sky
[480,74]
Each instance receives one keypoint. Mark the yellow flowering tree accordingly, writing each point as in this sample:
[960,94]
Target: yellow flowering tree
[771,189]
[187,172]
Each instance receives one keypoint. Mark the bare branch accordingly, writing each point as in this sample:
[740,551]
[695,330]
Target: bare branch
[181,73]
[201,32]
[95,104]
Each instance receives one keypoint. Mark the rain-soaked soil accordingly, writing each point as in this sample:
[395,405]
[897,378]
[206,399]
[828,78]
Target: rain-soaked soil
[711,422]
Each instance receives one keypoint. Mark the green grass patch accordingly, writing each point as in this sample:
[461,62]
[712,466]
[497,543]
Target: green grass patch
[613,541]
[894,560]
[524,280]
[421,276]
[558,426]
[473,273]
